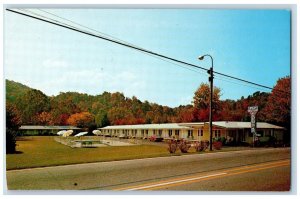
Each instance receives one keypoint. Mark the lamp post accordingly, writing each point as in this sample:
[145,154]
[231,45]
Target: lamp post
[210,79]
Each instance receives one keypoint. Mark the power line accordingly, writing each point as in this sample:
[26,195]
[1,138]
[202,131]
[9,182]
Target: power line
[139,49]
[110,40]
[107,36]
[236,83]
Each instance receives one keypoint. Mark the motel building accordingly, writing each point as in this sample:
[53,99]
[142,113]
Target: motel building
[238,132]
[30,130]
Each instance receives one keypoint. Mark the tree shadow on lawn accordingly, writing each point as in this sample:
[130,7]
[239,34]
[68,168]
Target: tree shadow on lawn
[16,152]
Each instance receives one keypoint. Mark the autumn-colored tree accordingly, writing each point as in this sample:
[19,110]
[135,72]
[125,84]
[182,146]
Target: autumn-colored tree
[13,116]
[202,100]
[278,108]
[44,118]
[13,122]
[119,114]
[83,119]
[186,114]
[62,106]
[62,119]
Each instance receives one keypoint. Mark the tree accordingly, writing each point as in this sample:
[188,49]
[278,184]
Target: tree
[185,114]
[62,106]
[202,101]
[101,119]
[31,104]
[13,122]
[278,108]
[44,118]
[83,119]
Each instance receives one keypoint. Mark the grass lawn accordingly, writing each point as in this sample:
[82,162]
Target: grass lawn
[39,151]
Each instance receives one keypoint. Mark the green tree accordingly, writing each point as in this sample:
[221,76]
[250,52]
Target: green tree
[31,104]
[101,119]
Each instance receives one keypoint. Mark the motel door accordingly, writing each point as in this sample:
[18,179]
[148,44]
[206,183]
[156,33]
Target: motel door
[241,135]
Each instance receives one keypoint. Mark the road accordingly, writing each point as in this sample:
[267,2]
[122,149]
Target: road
[248,170]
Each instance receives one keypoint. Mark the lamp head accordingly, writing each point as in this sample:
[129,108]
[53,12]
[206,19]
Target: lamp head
[201,57]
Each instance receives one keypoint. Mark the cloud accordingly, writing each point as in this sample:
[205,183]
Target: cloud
[92,82]
[55,63]
[186,99]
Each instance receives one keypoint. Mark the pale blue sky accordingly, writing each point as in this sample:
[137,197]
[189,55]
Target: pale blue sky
[249,44]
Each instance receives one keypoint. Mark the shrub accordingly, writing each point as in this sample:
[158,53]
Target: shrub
[217,145]
[152,138]
[172,146]
[184,146]
[201,146]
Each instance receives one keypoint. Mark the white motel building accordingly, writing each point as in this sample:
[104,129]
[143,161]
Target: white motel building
[239,131]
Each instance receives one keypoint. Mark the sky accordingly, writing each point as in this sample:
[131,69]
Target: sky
[249,44]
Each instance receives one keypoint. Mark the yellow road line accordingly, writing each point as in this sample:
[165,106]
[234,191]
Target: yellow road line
[175,182]
[225,175]
[190,179]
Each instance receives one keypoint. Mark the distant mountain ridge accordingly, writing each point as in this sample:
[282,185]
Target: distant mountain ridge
[15,90]
[116,109]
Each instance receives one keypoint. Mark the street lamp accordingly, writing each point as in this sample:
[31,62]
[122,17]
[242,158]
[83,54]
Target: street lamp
[210,79]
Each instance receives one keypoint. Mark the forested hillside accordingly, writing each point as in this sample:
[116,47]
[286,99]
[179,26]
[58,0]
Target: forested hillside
[83,110]
[14,90]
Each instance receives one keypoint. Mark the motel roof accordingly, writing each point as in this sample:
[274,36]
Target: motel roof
[245,125]
[221,124]
[34,127]
[148,126]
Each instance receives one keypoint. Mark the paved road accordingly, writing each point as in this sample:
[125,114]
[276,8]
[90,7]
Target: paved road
[239,170]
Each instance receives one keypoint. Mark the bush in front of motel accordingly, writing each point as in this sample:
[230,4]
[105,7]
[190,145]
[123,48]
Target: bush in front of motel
[217,143]
[201,146]
[184,146]
[152,138]
[172,145]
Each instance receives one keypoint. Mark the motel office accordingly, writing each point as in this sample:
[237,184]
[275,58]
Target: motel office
[240,132]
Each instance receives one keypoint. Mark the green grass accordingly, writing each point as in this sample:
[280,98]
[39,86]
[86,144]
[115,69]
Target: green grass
[40,151]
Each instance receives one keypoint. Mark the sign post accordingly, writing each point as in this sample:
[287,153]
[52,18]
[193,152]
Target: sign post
[253,110]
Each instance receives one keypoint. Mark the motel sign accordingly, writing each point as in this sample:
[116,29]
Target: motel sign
[253,110]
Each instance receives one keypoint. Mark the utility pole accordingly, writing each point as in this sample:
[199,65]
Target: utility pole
[210,79]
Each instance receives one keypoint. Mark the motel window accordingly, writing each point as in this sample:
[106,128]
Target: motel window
[154,132]
[170,133]
[142,131]
[261,133]
[217,133]
[267,133]
[190,133]
[176,132]
[146,132]
[135,132]
[160,132]
[200,132]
